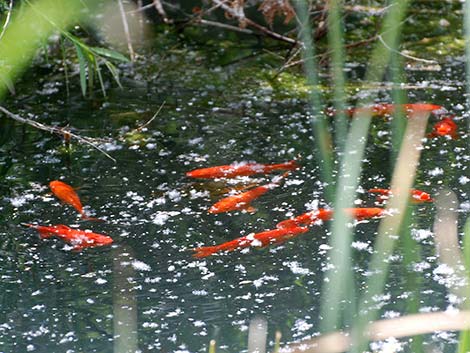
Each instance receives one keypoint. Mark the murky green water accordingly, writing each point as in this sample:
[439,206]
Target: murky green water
[146,292]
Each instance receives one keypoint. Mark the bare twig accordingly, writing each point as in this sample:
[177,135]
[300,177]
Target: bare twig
[161,11]
[126,30]
[223,25]
[141,127]
[405,55]
[7,19]
[56,130]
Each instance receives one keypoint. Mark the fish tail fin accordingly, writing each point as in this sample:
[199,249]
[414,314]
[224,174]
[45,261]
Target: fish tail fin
[88,218]
[204,251]
[292,165]
[43,232]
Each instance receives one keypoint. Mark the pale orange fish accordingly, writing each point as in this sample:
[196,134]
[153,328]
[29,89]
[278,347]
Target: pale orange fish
[78,238]
[417,196]
[67,194]
[385,109]
[242,201]
[445,127]
[323,214]
[275,236]
[240,169]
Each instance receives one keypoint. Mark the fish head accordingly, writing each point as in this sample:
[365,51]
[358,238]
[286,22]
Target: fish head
[445,127]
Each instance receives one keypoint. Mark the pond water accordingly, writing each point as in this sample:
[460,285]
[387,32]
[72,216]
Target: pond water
[146,292]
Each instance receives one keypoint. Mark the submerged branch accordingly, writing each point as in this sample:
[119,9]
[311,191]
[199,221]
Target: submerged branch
[55,130]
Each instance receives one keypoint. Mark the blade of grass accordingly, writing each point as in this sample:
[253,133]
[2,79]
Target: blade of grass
[464,340]
[318,121]
[403,326]
[411,254]
[27,30]
[466,26]
[82,62]
[335,289]
[335,42]
[108,53]
[402,181]
[399,98]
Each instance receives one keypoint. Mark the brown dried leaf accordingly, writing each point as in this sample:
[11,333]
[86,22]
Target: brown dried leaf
[270,8]
[236,10]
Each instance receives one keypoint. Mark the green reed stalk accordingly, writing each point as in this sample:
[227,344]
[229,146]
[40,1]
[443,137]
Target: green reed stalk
[335,289]
[390,226]
[464,340]
[27,30]
[318,121]
[466,27]
[335,42]
[413,282]
[399,98]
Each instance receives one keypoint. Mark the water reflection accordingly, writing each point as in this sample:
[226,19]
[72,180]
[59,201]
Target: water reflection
[125,336]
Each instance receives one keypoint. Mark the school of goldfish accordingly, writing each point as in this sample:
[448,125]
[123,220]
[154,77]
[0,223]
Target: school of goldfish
[242,201]
[287,229]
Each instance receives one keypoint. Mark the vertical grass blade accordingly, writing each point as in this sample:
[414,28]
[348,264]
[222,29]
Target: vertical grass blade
[466,26]
[335,289]
[399,97]
[335,42]
[82,62]
[318,120]
[411,254]
[464,340]
[402,181]
[212,346]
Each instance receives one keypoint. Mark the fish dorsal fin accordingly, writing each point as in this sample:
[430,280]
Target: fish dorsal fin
[248,208]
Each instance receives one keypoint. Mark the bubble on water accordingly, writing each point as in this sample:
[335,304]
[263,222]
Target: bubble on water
[140,266]
[296,268]
[390,345]
[421,234]
[301,326]
[161,217]
[19,201]
[435,172]
[464,180]
[361,246]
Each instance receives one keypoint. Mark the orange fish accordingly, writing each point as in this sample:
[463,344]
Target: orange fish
[78,238]
[384,109]
[242,200]
[417,196]
[275,236]
[445,127]
[240,169]
[323,214]
[67,194]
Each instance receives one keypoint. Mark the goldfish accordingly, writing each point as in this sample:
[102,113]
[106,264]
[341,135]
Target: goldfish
[417,196]
[240,169]
[384,109]
[262,239]
[323,214]
[242,200]
[78,238]
[444,127]
[67,194]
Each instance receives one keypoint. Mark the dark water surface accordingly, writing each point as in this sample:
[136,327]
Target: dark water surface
[146,292]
